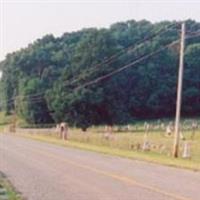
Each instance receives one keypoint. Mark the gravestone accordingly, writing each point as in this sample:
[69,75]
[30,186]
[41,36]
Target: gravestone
[63,130]
[186,150]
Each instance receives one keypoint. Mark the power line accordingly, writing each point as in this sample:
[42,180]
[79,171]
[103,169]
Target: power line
[36,100]
[10,101]
[105,76]
[123,50]
[135,62]
[109,60]
[127,66]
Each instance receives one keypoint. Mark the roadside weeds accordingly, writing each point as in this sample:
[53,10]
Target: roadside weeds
[7,191]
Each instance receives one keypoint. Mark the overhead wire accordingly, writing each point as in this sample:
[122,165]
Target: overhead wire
[135,62]
[34,99]
[122,52]
[126,66]
[109,60]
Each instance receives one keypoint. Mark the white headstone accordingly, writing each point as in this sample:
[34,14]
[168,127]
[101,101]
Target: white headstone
[186,150]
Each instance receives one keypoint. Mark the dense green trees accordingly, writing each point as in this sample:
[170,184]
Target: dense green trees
[191,92]
[42,82]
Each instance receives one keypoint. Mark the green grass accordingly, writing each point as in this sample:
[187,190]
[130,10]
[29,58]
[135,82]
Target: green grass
[10,191]
[125,143]
[5,120]
[121,147]
[161,145]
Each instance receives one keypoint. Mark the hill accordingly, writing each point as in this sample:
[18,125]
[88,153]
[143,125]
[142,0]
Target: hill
[48,81]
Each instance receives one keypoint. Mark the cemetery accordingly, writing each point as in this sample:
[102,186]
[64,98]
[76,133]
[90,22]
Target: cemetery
[145,140]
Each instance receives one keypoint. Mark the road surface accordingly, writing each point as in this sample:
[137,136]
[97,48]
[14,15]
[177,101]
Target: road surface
[42,171]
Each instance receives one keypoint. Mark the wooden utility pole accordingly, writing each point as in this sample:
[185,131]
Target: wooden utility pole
[179,93]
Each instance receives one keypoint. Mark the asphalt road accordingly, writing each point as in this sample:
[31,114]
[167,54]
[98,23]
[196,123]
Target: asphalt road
[42,171]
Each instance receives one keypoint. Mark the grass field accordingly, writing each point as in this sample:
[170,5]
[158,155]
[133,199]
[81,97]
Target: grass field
[4,120]
[134,141]
[128,143]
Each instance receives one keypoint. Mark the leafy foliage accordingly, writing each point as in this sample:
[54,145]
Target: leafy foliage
[45,76]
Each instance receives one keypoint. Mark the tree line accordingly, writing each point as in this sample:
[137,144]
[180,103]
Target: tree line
[42,82]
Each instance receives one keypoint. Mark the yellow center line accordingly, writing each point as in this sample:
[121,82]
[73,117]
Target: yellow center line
[124,179]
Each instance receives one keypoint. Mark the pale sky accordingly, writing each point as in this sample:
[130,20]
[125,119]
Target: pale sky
[23,21]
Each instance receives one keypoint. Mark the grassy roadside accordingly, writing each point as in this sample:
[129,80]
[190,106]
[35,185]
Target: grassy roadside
[10,192]
[4,120]
[144,156]
[124,143]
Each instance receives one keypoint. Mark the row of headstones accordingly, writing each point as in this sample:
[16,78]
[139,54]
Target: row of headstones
[186,125]
[186,148]
[62,129]
[148,126]
[168,128]
[148,146]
